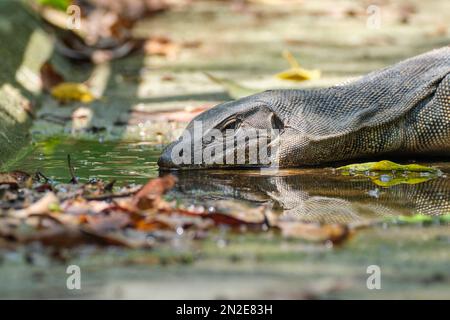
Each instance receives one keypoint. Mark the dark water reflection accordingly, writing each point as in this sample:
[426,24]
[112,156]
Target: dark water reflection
[319,194]
[307,194]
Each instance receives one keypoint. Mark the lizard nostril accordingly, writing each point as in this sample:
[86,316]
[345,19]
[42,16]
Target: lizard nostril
[165,160]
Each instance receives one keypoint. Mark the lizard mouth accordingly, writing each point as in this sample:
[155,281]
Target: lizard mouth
[259,150]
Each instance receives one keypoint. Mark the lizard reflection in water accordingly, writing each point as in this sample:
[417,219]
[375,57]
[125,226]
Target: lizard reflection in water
[317,196]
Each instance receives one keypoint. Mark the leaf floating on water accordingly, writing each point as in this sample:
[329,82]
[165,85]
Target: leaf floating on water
[386,165]
[71,91]
[387,173]
[296,72]
[234,90]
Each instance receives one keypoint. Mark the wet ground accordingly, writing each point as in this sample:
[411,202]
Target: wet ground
[310,194]
[141,96]
[413,258]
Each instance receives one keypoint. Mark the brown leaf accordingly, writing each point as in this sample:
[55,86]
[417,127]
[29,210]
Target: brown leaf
[149,196]
[113,239]
[161,46]
[50,77]
[58,237]
[15,178]
[219,218]
[335,233]
[152,225]
[44,205]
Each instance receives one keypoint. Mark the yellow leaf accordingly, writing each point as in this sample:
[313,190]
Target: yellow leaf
[387,181]
[70,91]
[296,72]
[386,165]
[385,173]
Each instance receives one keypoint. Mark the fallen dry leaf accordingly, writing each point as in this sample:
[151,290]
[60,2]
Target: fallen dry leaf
[296,72]
[149,196]
[14,178]
[335,233]
[45,205]
[108,222]
[50,77]
[70,91]
[162,46]
[98,213]
[219,218]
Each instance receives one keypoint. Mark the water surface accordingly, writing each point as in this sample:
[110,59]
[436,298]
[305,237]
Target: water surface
[126,162]
[308,194]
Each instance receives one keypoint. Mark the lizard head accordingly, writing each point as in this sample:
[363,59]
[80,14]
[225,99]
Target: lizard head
[239,134]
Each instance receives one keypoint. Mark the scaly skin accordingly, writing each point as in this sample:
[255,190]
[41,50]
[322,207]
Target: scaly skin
[400,110]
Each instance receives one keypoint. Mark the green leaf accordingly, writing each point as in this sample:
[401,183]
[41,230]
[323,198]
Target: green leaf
[386,165]
[387,173]
[57,4]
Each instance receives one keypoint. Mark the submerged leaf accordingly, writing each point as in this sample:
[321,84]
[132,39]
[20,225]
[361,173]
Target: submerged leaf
[390,181]
[70,91]
[296,72]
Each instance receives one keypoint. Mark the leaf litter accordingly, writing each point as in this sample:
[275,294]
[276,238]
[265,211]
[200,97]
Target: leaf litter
[33,208]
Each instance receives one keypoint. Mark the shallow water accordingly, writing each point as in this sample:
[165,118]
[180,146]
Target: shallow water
[126,162]
[307,194]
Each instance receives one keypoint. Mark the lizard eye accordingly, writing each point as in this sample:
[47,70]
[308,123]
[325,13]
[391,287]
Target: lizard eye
[231,124]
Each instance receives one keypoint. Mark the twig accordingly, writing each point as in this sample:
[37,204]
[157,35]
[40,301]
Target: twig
[73,179]
[40,175]
[110,185]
